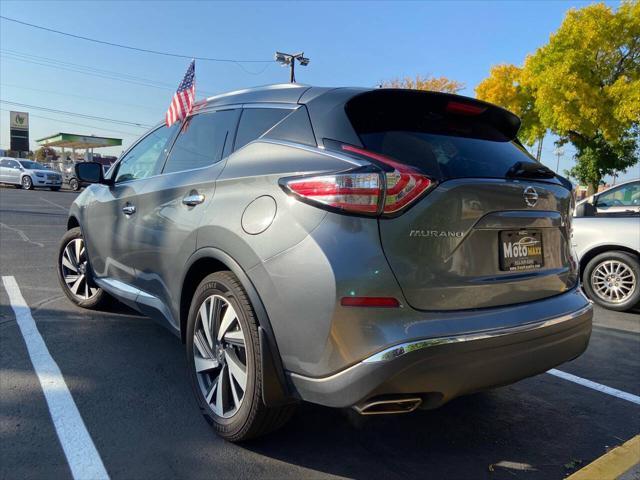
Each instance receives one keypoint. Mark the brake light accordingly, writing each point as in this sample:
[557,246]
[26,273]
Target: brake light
[357,192]
[362,191]
[464,108]
[404,184]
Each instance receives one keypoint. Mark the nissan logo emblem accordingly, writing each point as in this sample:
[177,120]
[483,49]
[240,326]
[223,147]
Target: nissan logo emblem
[530,196]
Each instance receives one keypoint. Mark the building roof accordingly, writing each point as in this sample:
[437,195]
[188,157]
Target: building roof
[72,140]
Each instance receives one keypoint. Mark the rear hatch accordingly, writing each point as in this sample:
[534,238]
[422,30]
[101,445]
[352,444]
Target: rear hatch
[495,230]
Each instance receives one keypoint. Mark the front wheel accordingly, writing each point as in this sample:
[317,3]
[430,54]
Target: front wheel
[223,355]
[74,273]
[27,183]
[611,279]
[74,185]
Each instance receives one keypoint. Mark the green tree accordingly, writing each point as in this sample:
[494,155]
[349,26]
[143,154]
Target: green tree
[45,152]
[428,82]
[504,87]
[586,86]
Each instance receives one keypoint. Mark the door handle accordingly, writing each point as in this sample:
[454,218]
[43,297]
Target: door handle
[129,209]
[194,198]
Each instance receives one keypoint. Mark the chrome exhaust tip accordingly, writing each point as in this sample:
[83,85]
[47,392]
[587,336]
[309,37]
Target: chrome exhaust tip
[388,406]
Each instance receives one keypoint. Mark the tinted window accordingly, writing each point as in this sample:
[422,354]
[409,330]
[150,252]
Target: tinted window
[4,163]
[445,156]
[145,159]
[623,196]
[442,135]
[201,142]
[256,121]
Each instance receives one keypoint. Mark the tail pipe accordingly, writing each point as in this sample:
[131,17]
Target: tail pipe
[388,406]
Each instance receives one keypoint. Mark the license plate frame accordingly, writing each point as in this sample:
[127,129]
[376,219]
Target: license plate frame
[520,250]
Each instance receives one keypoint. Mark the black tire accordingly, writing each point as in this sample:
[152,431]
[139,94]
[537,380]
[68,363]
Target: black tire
[252,418]
[95,300]
[596,264]
[74,185]
[55,189]
[27,183]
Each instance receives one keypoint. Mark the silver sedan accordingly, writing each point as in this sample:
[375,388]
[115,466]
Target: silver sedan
[606,238]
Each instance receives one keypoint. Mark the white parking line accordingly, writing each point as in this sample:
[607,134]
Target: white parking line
[82,456]
[596,386]
[54,204]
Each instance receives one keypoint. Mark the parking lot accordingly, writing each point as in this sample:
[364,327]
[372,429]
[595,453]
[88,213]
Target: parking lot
[127,376]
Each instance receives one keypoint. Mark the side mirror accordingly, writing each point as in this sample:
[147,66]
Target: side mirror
[585,209]
[90,172]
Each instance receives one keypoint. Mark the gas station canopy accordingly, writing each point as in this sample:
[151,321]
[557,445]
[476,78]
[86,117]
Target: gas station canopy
[70,140]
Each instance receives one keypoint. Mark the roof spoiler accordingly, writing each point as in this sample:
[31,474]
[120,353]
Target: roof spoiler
[454,109]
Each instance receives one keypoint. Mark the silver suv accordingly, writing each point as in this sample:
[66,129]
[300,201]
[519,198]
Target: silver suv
[27,174]
[384,250]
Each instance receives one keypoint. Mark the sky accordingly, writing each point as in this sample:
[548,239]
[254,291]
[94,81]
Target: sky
[349,44]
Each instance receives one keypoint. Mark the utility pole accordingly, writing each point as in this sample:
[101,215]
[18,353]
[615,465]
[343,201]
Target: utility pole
[559,152]
[289,59]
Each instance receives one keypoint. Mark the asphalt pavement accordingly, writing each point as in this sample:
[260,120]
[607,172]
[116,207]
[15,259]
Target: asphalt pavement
[127,376]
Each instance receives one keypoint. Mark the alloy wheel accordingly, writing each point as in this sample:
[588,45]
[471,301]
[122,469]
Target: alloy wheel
[613,281]
[74,270]
[26,183]
[220,356]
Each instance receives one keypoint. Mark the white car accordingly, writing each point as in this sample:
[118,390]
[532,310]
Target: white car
[28,174]
[606,238]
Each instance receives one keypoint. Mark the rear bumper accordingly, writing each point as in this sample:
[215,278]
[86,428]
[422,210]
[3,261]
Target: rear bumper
[439,369]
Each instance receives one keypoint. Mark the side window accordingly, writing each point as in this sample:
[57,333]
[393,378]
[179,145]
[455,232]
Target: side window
[145,159]
[624,196]
[4,163]
[256,121]
[13,164]
[201,141]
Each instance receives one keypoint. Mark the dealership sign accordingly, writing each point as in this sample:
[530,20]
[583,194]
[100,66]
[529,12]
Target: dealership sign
[19,131]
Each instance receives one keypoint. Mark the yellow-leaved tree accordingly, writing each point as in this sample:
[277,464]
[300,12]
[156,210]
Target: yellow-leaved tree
[504,87]
[428,82]
[586,86]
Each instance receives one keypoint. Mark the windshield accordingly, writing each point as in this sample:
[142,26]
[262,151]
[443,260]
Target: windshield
[31,165]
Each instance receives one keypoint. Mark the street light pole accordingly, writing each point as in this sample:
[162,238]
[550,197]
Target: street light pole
[559,152]
[289,59]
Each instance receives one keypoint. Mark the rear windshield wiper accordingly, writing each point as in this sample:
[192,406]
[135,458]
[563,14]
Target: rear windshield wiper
[536,170]
[530,170]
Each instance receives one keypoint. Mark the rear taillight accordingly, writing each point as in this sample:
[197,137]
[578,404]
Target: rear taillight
[362,191]
[357,192]
[403,185]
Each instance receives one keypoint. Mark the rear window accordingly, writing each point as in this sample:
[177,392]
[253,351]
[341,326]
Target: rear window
[422,130]
[447,156]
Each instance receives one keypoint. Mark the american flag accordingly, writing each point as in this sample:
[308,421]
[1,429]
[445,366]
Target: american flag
[184,96]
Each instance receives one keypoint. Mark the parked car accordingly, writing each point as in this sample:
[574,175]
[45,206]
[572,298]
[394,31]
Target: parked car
[380,249]
[74,183]
[606,236]
[27,174]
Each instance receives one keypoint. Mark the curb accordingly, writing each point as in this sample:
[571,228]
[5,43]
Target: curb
[612,464]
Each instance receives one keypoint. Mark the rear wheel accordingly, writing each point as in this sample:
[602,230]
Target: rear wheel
[611,279]
[224,360]
[74,273]
[74,185]
[27,183]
